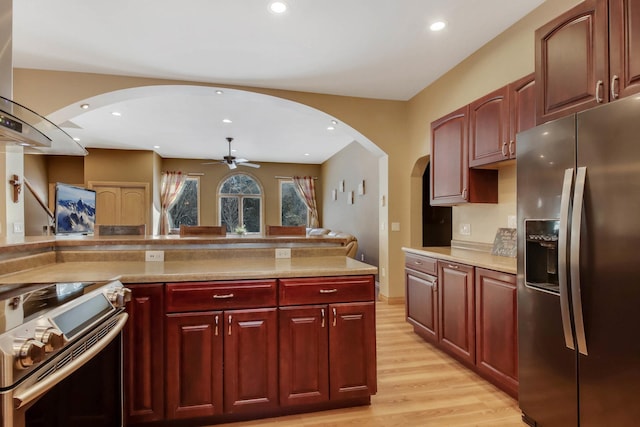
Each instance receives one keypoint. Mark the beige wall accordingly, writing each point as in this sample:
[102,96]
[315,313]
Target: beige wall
[400,129]
[353,164]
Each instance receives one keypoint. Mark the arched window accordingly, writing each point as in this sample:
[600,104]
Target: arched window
[240,203]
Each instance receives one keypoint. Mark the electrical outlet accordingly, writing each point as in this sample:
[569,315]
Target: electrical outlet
[154,256]
[465,229]
[512,221]
[283,253]
[383,272]
[395,226]
[18,227]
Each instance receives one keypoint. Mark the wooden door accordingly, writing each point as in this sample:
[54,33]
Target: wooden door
[522,109]
[489,128]
[572,61]
[108,205]
[122,203]
[422,304]
[497,328]
[624,48]
[250,360]
[456,309]
[304,355]
[144,354]
[352,350]
[194,364]
[449,158]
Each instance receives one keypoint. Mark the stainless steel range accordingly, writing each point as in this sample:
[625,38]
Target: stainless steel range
[47,333]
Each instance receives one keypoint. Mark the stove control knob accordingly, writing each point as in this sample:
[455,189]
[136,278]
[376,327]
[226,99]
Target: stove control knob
[119,297]
[52,338]
[29,352]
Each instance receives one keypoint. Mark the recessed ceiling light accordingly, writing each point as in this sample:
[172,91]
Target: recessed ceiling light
[306,154]
[219,92]
[278,7]
[331,128]
[227,121]
[334,122]
[437,26]
[84,106]
[116,113]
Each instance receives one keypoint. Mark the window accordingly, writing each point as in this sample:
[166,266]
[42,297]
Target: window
[185,210]
[293,210]
[240,203]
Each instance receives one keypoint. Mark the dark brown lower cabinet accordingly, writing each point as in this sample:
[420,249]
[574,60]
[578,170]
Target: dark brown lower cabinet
[497,328]
[221,362]
[220,351]
[457,317]
[327,352]
[144,354]
[469,312]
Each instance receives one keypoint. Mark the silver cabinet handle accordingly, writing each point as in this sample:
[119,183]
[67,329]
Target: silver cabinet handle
[217,320]
[322,316]
[599,85]
[504,149]
[614,94]
[455,267]
[562,258]
[328,291]
[226,296]
[230,320]
[576,226]
[335,316]
[417,262]
[435,285]
[512,148]
[464,193]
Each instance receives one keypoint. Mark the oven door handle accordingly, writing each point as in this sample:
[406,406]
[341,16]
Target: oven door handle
[22,398]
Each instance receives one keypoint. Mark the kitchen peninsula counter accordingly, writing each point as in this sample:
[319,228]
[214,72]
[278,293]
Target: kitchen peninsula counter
[470,257]
[224,268]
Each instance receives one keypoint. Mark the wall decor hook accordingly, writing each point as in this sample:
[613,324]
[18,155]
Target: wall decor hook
[17,187]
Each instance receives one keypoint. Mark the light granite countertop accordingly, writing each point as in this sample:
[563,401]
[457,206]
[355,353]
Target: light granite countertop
[469,257]
[191,270]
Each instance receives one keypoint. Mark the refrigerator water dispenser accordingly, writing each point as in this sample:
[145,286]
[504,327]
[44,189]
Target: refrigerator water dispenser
[541,254]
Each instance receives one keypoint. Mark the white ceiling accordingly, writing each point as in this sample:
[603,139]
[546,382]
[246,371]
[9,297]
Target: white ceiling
[365,48]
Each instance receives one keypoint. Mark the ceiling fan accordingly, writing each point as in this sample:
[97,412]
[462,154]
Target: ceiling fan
[232,161]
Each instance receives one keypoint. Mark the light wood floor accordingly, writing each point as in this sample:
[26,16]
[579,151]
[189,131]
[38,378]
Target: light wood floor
[418,385]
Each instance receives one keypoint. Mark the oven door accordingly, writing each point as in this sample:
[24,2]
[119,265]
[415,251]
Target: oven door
[80,387]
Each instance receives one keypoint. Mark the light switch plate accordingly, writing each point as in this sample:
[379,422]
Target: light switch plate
[283,253]
[154,256]
[465,229]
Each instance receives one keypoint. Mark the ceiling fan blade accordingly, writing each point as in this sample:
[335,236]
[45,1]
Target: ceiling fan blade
[215,162]
[251,165]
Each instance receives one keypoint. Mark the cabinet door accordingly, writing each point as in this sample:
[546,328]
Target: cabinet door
[572,61]
[352,350]
[250,360]
[422,304]
[449,158]
[457,319]
[497,328]
[194,364]
[489,128]
[304,355]
[144,354]
[522,109]
[624,47]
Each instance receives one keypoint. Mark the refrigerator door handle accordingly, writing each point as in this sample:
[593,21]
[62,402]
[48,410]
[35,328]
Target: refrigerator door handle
[576,227]
[562,258]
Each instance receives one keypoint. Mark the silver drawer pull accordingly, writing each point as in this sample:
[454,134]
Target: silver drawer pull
[417,262]
[225,296]
[455,267]
[328,291]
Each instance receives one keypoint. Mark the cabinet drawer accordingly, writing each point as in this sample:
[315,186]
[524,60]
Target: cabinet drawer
[220,295]
[326,290]
[421,263]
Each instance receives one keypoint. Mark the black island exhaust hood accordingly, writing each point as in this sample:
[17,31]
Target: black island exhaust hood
[20,125]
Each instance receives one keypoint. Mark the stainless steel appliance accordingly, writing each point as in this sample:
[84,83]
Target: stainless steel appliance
[48,334]
[578,185]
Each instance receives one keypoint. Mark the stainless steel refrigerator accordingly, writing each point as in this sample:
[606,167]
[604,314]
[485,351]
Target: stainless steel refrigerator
[578,189]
